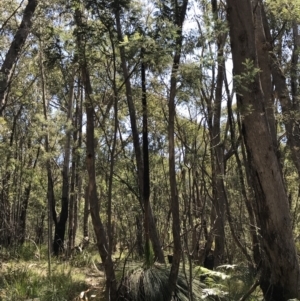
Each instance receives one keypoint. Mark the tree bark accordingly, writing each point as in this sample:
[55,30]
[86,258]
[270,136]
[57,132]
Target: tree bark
[279,267]
[15,51]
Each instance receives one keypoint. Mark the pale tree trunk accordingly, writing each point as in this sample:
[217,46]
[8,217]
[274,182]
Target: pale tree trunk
[15,51]
[279,278]
[179,17]
[137,148]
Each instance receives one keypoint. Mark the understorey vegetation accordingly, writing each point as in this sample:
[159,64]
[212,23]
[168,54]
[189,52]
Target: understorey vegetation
[150,150]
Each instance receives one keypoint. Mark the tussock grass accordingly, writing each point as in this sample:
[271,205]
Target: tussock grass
[22,281]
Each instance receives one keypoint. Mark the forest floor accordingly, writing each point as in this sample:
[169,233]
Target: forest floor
[25,276]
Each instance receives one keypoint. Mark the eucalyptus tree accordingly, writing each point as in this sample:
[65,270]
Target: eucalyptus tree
[279,276]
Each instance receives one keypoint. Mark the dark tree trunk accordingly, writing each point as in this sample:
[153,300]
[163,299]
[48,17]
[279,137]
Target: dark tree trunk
[71,234]
[111,286]
[60,226]
[217,149]
[39,230]
[146,168]
[78,175]
[137,149]
[86,214]
[24,204]
[139,236]
[179,16]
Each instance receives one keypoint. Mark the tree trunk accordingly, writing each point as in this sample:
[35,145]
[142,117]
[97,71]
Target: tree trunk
[279,268]
[138,154]
[146,167]
[60,226]
[71,234]
[111,285]
[86,213]
[14,51]
[75,191]
[50,187]
[24,203]
[217,149]
[179,16]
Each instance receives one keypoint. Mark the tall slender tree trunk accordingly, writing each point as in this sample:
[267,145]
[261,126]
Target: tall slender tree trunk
[137,148]
[15,51]
[50,186]
[60,226]
[280,275]
[74,172]
[86,213]
[75,190]
[102,244]
[217,149]
[71,234]
[179,17]
[146,178]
